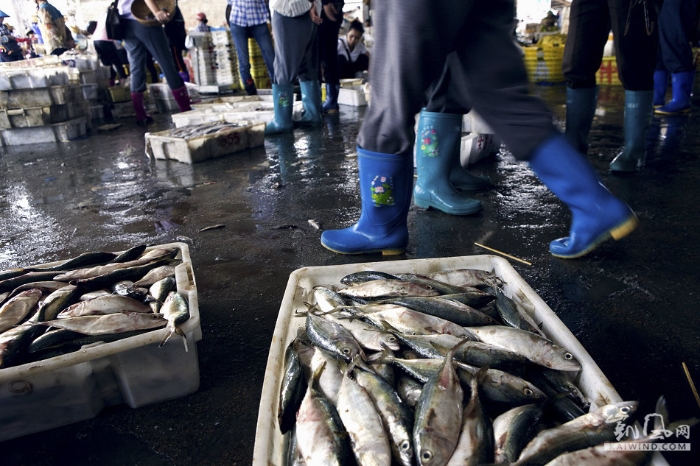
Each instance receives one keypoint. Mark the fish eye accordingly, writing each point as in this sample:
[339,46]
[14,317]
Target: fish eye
[568,356]
[391,339]
[624,410]
[405,445]
[426,455]
[528,392]
[346,351]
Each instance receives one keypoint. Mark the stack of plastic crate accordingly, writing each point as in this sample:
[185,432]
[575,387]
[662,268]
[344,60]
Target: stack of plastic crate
[544,60]
[257,66]
[226,62]
[38,103]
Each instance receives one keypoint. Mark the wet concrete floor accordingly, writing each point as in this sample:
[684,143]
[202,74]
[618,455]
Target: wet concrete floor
[633,305]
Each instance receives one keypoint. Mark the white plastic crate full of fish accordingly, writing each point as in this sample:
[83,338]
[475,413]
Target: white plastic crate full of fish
[145,368]
[305,288]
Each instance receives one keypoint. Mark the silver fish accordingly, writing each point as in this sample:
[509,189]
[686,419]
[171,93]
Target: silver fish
[386,289]
[319,431]
[16,309]
[109,323]
[513,429]
[55,303]
[409,389]
[93,294]
[537,349]
[396,415]
[155,275]
[108,304]
[368,439]
[292,389]
[159,291]
[467,277]
[454,311]
[408,321]
[367,335]
[588,430]
[438,415]
[475,445]
[332,376]
[332,337]
[176,310]
[326,299]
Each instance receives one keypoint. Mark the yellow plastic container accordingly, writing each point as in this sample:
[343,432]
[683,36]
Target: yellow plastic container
[607,73]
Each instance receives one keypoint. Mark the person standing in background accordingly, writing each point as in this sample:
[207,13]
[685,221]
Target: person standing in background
[634,27]
[294,23]
[249,19]
[10,50]
[106,51]
[677,29]
[202,23]
[177,34]
[139,40]
[53,28]
[328,30]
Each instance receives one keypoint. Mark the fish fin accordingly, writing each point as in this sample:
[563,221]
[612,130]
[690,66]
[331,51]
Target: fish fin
[166,338]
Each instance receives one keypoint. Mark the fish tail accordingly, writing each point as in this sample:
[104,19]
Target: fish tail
[166,338]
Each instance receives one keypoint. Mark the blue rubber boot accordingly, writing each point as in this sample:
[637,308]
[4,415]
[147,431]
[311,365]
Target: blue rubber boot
[330,106]
[597,215]
[437,150]
[660,86]
[283,99]
[580,110]
[311,98]
[386,182]
[638,108]
[681,87]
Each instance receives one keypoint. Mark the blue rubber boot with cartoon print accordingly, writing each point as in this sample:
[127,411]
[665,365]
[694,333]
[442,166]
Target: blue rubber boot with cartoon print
[283,99]
[437,142]
[386,182]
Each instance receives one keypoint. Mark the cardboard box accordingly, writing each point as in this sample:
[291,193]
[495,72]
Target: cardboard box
[269,447]
[77,386]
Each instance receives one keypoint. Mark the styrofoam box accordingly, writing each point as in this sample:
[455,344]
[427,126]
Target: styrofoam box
[259,110]
[473,123]
[247,135]
[476,146]
[34,78]
[77,386]
[58,132]
[44,97]
[97,112]
[353,96]
[37,116]
[89,91]
[269,442]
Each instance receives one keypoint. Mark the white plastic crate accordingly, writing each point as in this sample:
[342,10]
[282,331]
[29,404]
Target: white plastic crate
[74,387]
[37,116]
[353,96]
[33,78]
[97,112]
[473,123]
[58,132]
[269,442]
[89,91]
[43,97]
[260,110]
[162,145]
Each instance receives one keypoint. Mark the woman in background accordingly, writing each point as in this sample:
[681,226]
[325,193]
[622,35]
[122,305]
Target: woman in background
[140,39]
[353,57]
